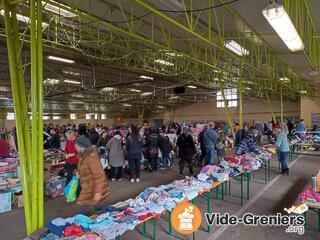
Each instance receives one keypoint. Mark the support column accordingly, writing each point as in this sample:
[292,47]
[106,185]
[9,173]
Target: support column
[240,99]
[20,105]
[226,109]
[281,106]
[270,107]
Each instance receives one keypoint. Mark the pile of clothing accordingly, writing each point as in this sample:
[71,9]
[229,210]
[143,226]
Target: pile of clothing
[232,166]
[9,164]
[310,196]
[112,221]
[246,145]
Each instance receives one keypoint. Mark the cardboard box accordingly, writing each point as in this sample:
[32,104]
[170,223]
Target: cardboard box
[5,202]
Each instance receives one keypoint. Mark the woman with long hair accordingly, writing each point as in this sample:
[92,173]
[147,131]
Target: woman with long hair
[134,145]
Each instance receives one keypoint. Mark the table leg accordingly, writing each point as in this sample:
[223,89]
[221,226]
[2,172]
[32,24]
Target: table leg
[265,172]
[248,185]
[144,228]
[241,182]
[269,170]
[222,190]
[154,228]
[169,223]
[229,187]
[209,208]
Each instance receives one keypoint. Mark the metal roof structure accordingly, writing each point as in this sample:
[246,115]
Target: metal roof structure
[174,43]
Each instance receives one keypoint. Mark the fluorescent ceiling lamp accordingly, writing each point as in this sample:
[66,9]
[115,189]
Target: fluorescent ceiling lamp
[146,94]
[236,48]
[303,91]
[135,90]
[71,81]
[127,105]
[248,88]
[146,77]
[24,19]
[107,89]
[62,12]
[173,54]
[161,107]
[4,98]
[58,59]
[51,81]
[285,79]
[174,97]
[163,62]
[191,86]
[71,73]
[282,24]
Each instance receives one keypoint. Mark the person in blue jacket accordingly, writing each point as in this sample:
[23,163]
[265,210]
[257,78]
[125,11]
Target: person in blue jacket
[210,138]
[301,128]
[283,146]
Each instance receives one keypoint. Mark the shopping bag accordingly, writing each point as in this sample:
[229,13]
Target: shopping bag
[104,158]
[71,189]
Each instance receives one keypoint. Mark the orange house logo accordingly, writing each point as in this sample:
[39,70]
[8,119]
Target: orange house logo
[186,218]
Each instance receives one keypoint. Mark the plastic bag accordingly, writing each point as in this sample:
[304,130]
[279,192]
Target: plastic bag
[71,189]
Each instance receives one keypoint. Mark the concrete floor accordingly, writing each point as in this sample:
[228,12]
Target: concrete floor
[265,199]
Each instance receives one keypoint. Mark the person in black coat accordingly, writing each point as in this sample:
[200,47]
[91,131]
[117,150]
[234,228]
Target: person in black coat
[55,139]
[187,150]
[152,150]
[202,147]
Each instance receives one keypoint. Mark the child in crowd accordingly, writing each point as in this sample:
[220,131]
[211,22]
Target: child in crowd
[221,146]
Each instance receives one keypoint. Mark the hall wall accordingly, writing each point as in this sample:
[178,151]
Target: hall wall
[253,109]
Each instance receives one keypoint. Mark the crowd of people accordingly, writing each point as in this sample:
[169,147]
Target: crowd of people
[97,153]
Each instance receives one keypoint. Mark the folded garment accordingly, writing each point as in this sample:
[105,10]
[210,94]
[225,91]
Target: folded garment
[309,194]
[62,221]
[83,220]
[111,231]
[57,230]
[203,176]
[73,230]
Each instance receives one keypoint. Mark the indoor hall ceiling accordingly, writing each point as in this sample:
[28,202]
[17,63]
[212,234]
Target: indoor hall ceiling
[110,49]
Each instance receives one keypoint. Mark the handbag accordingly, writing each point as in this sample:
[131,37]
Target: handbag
[104,158]
[71,189]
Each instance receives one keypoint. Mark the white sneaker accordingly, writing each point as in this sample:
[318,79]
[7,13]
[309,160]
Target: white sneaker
[113,179]
[132,180]
[120,179]
[137,179]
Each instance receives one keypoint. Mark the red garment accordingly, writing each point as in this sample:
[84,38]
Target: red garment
[4,148]
[70,148]
[146,216]
[73,230]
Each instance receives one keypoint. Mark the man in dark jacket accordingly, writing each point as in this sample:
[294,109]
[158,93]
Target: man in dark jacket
[200,140]
[152,150]
[187,150]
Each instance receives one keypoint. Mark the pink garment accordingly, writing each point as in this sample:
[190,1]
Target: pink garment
[309,193]
[209,169]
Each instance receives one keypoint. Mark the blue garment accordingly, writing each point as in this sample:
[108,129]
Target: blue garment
[282,142]
[57,230]
[283,162]
[83,220]
[209,155]
[301,127]
[134,149]
[210,137]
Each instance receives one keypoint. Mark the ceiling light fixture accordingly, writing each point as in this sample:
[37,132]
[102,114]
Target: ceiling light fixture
[303,91]
[236,48]
[71,81]
[163,62]
[146,77]
[107,89]
[174,97]
[51,81]
[191,86]
[161,107]
[24,19]
[126,105]
[135,90]
[58,59]
[282,24]
[71,73]
[285,79]
[57,10]
[146,94]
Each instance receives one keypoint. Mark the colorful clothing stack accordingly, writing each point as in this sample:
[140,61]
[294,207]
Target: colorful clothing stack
[115,220]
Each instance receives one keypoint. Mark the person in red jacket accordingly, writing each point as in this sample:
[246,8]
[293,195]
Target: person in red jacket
[71,154]
[4,148]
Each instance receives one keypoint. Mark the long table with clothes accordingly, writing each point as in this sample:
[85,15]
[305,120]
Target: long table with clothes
[312,199]
[110,222]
